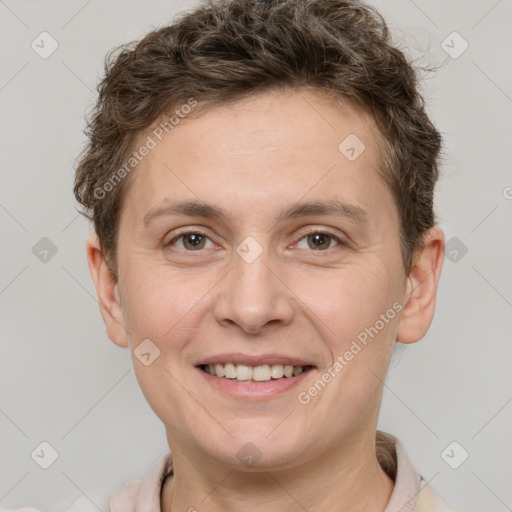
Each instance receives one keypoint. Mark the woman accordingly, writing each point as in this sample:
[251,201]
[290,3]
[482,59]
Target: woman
[260,176]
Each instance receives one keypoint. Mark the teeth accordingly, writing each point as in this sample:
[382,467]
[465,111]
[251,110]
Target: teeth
[219,370]
[264,372]
[229,371]
[276,371]
[261,373]
[243,372]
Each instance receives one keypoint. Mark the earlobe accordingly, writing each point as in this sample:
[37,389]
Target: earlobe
[421,288]
[107,291]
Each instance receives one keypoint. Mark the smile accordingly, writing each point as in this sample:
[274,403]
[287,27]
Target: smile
[253,383]
[260,373]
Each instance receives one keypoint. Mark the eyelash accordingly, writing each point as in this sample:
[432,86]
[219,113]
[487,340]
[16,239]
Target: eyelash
[308,233]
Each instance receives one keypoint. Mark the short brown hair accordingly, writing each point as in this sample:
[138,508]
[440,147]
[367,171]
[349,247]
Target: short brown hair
[225,50]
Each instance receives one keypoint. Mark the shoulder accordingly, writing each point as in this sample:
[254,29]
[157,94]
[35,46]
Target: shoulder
[411,491]
[144,493]
[429,501]
[124,499]
[141,494]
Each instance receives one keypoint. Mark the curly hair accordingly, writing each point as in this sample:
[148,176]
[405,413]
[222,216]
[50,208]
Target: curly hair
[225,50]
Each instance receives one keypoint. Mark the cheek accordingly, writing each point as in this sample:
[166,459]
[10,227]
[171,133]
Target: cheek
[164,308]
[347,301]
[346,310]
[158,303]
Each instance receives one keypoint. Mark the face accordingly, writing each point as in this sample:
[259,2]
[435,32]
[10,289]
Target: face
[249,236]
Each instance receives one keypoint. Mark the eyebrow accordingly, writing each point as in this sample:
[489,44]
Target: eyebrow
[193,208]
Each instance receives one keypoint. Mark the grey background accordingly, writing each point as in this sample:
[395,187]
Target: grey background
[64,382]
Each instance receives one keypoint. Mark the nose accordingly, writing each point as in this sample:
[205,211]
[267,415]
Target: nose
[254,296]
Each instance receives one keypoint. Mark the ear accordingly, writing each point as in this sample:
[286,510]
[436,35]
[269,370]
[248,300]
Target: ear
[107,291]
[421,288]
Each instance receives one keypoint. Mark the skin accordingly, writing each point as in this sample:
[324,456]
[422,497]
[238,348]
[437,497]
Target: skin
[255,159]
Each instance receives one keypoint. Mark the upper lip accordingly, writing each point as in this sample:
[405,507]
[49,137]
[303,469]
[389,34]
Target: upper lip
[254,360]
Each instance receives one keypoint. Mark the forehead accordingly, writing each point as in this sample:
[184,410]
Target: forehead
[265,152]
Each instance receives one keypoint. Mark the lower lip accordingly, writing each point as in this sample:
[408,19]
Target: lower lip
[253,390]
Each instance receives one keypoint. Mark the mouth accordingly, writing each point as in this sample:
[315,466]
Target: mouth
[254,377]
[254,374]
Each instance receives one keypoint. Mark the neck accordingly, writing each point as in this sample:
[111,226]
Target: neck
[346,479]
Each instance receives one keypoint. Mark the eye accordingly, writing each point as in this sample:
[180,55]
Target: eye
[196,240]
[190,241]
[319,240]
